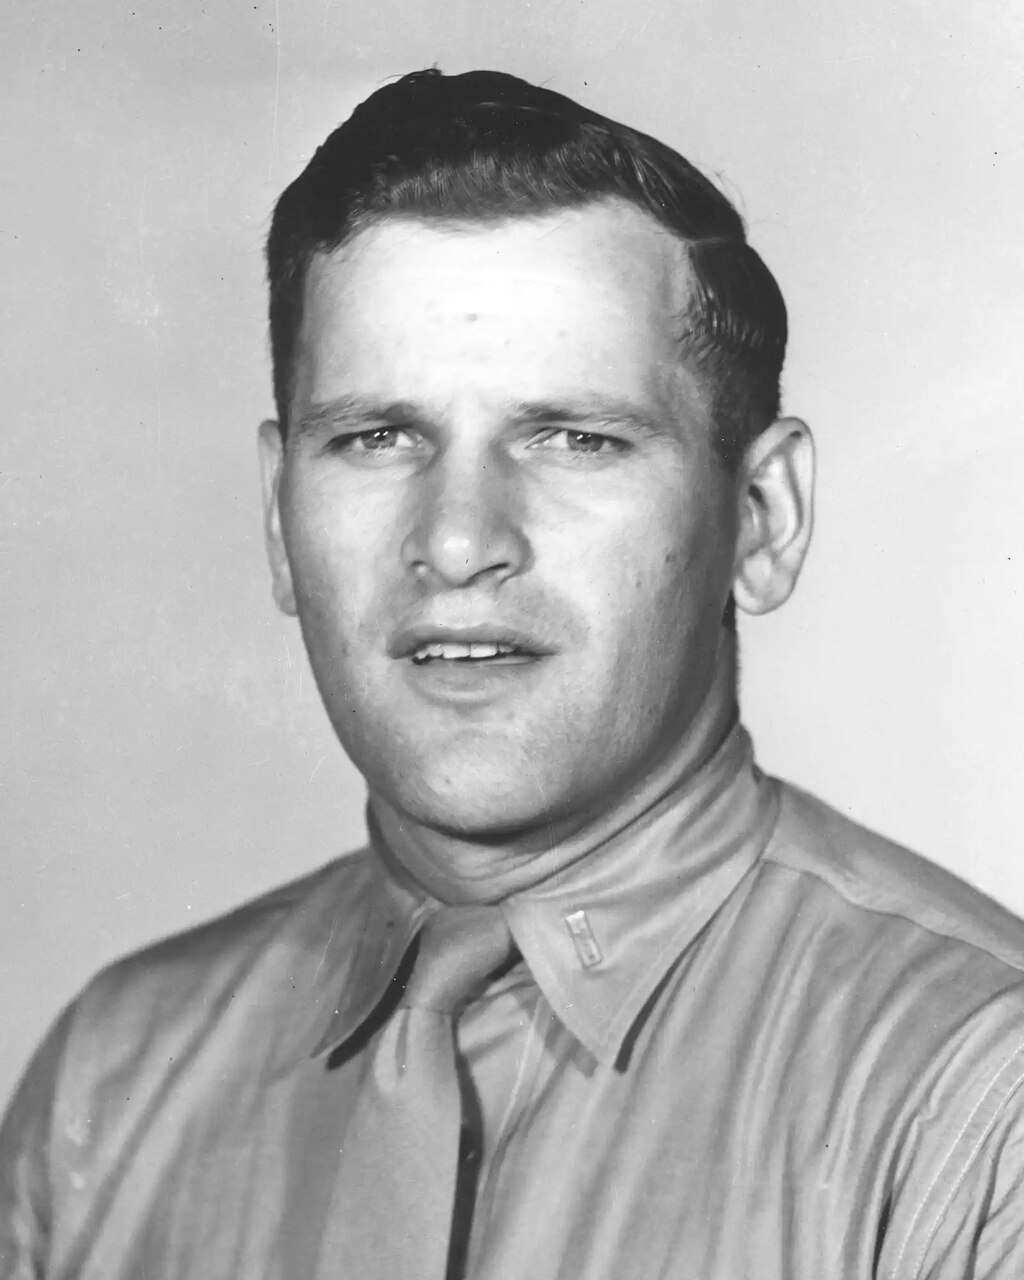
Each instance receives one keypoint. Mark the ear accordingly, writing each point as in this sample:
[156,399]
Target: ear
[271,446]
[776,494]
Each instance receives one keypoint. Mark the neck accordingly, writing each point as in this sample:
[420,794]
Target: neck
[466,868]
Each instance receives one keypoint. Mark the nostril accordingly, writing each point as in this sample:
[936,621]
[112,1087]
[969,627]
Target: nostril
[465,524]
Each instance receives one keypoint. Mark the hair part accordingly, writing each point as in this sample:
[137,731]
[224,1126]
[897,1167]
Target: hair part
[486,147]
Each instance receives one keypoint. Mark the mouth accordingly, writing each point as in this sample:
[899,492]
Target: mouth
[480,643]
[469,666]
[474,652]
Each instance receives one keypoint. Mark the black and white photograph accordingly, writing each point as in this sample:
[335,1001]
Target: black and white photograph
[512,640]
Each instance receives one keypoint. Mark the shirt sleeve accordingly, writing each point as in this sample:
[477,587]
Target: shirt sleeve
[25,1182]
[980,1233]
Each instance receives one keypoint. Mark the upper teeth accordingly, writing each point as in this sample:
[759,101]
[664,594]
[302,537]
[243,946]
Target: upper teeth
[451,649]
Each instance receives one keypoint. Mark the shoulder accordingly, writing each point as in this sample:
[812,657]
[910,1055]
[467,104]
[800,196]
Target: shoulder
[898,972]
[878,885]
[166,1036]
[251,957]
[905,987]
[211,1008]
[222,993]
[282,925]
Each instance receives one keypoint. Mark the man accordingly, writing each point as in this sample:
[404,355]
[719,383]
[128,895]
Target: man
[600,999]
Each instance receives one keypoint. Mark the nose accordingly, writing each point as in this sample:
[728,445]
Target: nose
[466,524]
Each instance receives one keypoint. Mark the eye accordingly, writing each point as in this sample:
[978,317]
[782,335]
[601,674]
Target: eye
[570,441]
[377,441]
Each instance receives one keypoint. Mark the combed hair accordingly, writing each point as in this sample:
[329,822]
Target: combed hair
[486,147]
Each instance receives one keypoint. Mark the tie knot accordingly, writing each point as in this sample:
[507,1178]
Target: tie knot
[460,947]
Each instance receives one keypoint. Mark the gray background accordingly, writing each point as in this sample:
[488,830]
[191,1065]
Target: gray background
[164,753]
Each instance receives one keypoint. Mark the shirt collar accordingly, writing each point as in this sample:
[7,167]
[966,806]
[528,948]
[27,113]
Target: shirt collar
[601,933]
[600,936]
[392,914]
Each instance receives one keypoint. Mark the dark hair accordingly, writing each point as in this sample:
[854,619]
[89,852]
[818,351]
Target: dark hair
[485,146]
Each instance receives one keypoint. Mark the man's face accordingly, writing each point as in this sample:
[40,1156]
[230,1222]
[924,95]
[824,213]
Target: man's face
[508,538]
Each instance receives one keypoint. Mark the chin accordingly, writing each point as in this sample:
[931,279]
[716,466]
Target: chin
[479,803]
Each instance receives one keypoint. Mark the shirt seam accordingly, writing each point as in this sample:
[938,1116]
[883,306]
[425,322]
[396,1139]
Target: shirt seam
[892,913]
[947,1161]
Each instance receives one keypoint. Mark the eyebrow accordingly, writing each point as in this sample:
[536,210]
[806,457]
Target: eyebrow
[589,409]
[355,410]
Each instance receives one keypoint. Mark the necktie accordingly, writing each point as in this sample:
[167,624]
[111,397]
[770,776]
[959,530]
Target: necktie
[391,1211]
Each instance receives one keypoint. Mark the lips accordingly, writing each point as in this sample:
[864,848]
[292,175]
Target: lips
[477,651]
[482,642]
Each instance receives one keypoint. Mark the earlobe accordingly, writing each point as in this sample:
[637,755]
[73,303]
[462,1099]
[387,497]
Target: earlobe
[776,515]
[271,447]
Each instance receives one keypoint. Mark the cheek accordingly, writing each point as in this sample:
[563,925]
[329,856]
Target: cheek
[333,548]
[326,581]
[672,586]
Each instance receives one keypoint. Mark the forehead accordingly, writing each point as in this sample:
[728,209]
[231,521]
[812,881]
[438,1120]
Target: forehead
[593,296]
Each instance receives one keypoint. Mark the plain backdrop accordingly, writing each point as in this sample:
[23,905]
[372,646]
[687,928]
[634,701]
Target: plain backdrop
[164,754]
